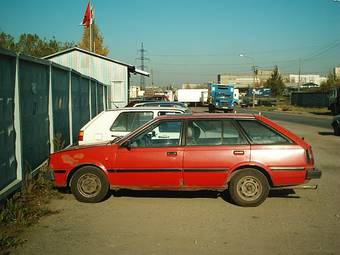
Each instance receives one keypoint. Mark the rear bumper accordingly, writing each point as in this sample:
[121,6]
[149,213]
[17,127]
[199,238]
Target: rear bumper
[313,174]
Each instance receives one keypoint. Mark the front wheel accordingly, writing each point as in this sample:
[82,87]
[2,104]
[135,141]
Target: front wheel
[89,184]
[249,188]
[211,108]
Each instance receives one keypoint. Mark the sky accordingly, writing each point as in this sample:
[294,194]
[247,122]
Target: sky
[191,41]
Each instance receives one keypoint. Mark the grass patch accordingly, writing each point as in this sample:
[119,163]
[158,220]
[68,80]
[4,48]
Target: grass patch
[25,208]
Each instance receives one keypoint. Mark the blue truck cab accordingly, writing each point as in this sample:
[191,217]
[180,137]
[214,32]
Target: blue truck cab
[221,97]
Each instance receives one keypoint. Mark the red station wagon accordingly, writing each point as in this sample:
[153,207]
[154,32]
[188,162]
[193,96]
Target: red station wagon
[243,154]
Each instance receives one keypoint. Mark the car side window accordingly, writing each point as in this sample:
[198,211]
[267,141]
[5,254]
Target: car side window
[204,132]
[231,135]
[129,121]
[213,132]
[261,134]
[164,134]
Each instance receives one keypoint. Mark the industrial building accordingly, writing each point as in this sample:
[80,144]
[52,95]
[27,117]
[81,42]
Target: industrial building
[108,71]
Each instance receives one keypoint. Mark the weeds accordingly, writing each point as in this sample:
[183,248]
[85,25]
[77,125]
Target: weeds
[58,142]
[25,208]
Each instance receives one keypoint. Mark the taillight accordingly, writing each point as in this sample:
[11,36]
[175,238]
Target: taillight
[309,156]
[81,135]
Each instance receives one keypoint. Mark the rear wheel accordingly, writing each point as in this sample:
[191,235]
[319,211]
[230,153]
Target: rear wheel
[89,184]
[336,128]
[248,187]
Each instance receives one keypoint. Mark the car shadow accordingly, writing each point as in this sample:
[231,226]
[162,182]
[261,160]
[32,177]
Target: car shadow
[284,193]
[165,193]
[326,133]
[322,113]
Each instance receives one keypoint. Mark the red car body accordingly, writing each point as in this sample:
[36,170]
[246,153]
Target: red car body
[187,167]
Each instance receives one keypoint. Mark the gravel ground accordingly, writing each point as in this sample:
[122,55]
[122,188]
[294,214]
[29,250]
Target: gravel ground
[303,222]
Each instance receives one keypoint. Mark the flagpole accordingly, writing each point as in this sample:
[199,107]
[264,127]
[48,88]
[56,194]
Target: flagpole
[90,26]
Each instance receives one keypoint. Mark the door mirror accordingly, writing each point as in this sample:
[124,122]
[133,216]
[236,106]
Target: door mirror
[127,145]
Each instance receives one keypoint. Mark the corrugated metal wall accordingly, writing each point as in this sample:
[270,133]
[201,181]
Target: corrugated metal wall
[310,99]
[31,115]
[60,104]
[104,71]
[8,163]
[33,89]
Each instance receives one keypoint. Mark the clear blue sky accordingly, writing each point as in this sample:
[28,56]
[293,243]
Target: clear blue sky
[194,40]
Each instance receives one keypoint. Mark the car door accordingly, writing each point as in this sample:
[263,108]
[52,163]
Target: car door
[212,148]
[152,159]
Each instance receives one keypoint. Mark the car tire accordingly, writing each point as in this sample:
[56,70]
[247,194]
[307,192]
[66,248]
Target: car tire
[89,184]
[248,187]
[211,108]
[336,129]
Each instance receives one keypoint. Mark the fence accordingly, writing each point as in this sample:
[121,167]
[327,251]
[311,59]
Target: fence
[40,100]
[310,99]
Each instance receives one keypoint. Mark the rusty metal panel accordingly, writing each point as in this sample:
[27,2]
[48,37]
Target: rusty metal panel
[8,163]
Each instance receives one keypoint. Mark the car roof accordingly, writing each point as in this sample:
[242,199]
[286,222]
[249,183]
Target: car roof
[161,102]
[211,116]
[151,108]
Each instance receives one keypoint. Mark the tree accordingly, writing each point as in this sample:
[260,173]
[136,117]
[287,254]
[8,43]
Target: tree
[332,82]
[7,41]
[275,83]
[97,41]
[33,45]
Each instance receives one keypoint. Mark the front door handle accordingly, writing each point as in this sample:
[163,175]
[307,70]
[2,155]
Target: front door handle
[171,153]
[238,152]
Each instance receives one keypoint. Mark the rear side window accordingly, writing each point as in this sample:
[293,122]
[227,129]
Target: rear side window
[213,132]
[129,121]
[261,134]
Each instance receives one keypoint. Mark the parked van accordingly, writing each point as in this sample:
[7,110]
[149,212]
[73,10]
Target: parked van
[118,122]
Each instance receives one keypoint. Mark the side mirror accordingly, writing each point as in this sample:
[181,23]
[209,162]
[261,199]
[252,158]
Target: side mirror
[127,145]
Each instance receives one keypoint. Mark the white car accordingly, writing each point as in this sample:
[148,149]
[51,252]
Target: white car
[118,122]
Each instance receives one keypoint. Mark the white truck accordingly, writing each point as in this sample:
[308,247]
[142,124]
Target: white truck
[192,95]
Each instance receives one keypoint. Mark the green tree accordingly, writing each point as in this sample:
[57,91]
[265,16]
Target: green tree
[275,83]
[332,82]
[33,45]
[97,41]
[7,41]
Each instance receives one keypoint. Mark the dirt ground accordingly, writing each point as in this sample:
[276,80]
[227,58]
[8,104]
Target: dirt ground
[304,222]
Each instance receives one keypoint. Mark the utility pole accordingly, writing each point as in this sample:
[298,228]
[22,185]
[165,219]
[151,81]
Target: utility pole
[142,59]
[299,84]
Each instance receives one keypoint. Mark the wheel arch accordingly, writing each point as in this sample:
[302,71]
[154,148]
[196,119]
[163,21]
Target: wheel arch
[74,170]
[256,167]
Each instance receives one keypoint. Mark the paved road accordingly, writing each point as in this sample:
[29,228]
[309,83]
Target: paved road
[323,121]
[307,119]
[301,222]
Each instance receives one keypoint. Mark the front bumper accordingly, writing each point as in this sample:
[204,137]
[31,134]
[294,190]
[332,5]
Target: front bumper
[313,174]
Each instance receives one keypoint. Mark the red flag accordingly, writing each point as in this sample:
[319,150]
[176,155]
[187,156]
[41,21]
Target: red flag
[87,20]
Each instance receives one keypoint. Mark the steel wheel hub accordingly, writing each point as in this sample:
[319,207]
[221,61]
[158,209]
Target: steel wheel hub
[249,188]
[89,185]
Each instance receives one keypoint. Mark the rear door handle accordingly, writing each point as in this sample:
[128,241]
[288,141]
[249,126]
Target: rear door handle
[238,152]
[171,153]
